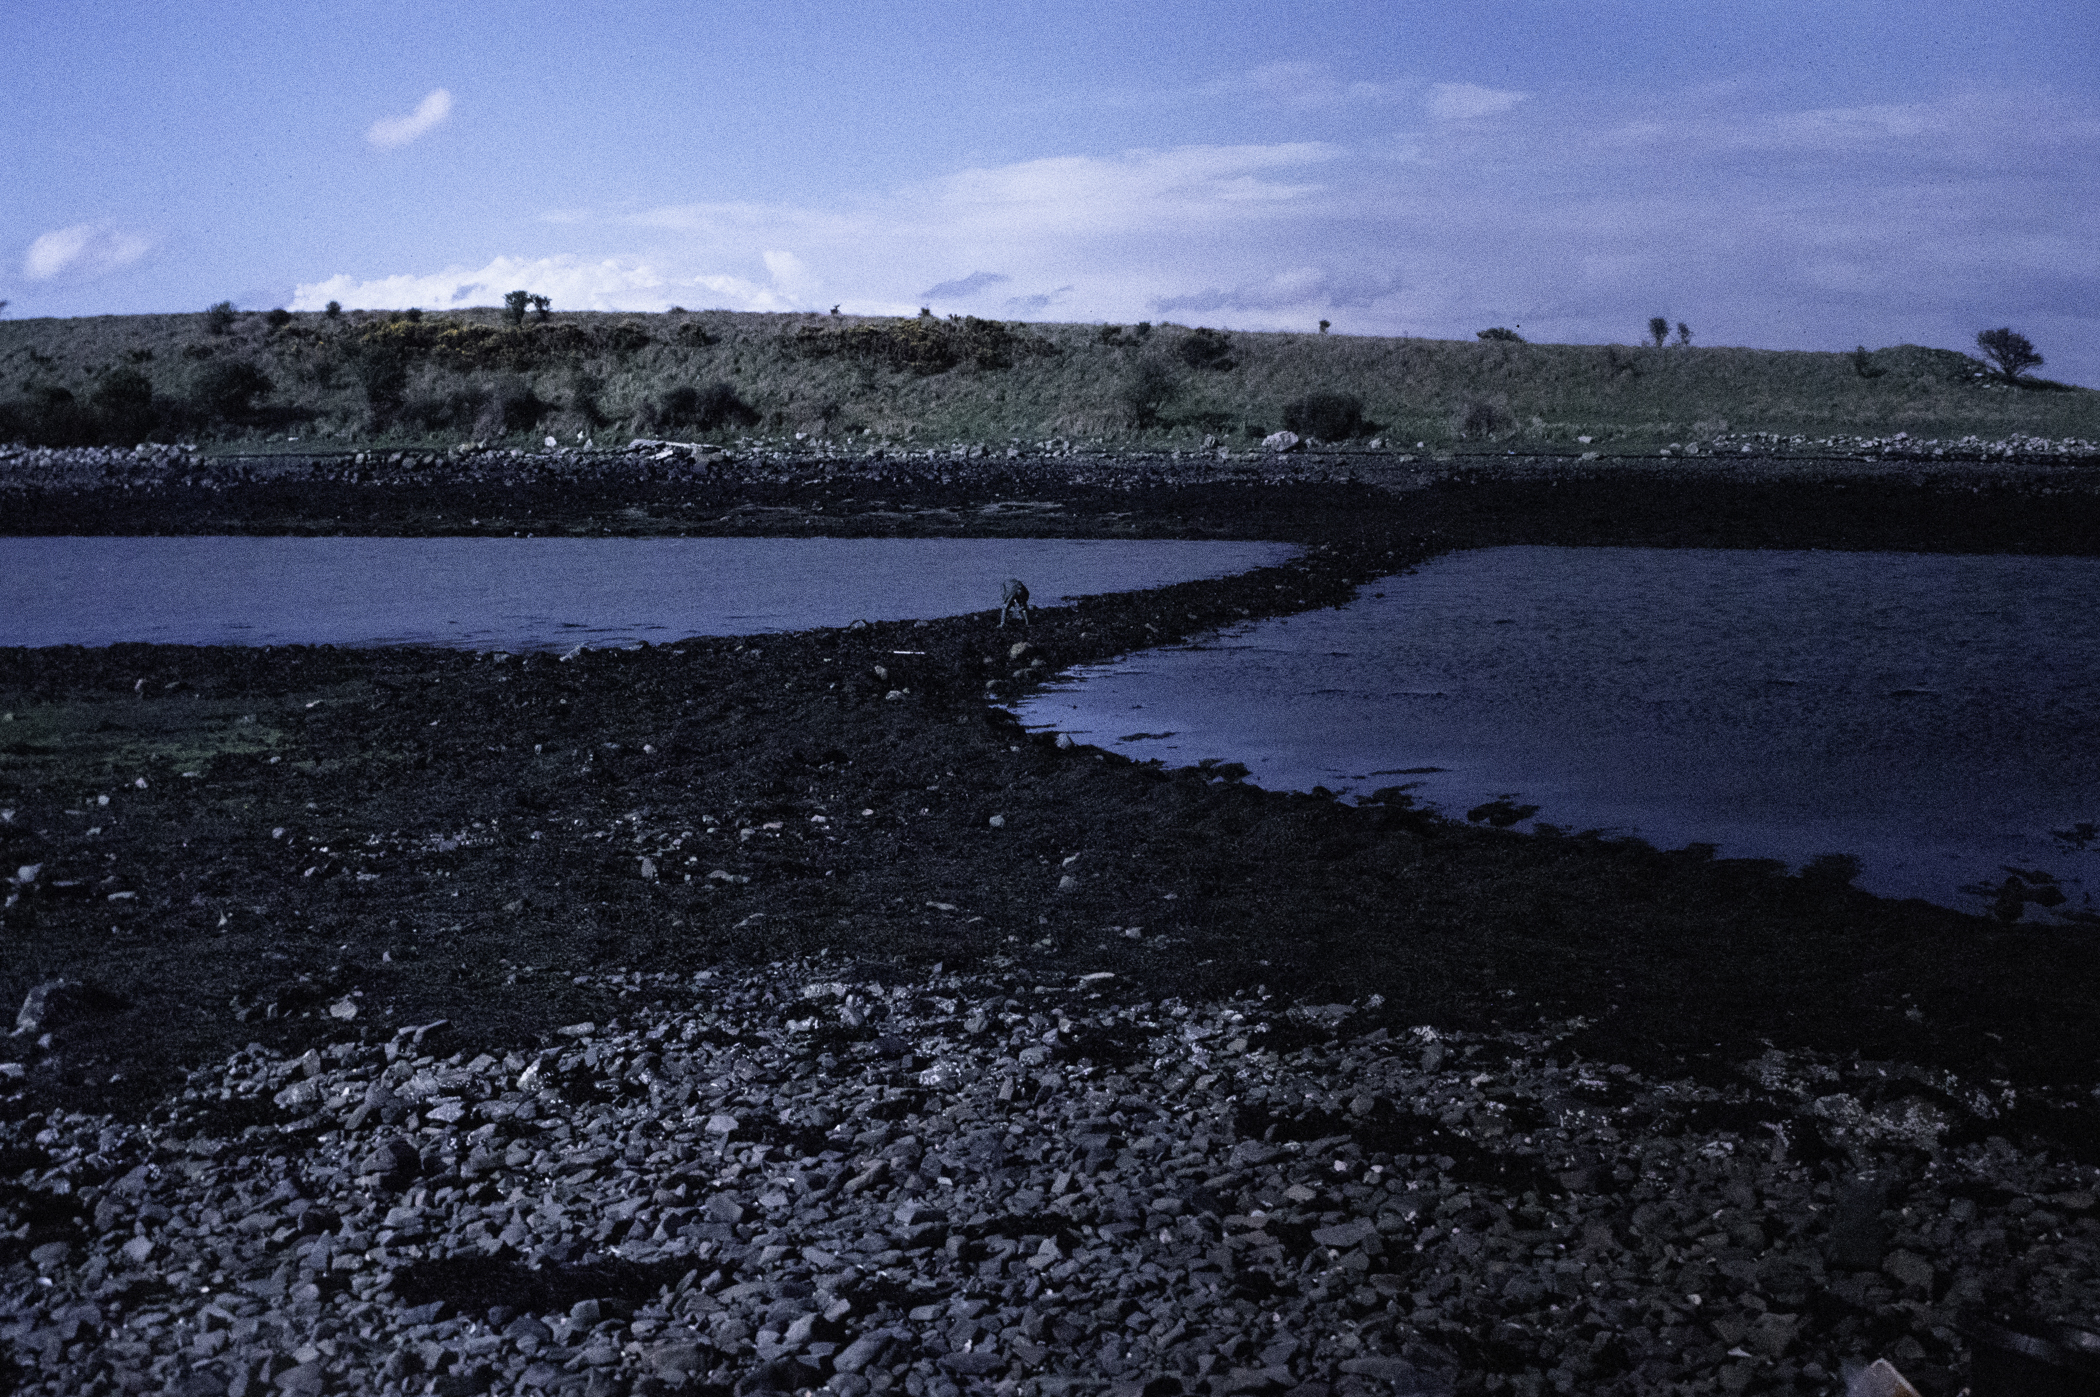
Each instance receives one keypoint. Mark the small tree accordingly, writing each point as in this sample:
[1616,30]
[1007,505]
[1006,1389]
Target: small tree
[2010,350]
[1684,334]
[540,306]
[1324,324]
[515,304]
[1499,332]
[335,310]
[1863,363]
[218,318]
[1658,330]
[278,318]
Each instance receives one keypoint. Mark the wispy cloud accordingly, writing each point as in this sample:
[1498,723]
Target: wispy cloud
[1312,288]
[1038,303]
[965,287]
[391,131]
[83,250]
[1306,86]
[1463,101]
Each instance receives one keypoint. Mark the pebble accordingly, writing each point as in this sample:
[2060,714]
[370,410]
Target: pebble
[799,1176]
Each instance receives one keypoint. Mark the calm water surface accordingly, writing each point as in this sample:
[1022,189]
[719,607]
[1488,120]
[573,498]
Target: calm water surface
[1934,715]
[525,594]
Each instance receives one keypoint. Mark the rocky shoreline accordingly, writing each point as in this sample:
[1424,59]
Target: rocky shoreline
[859,1177]
[783,879]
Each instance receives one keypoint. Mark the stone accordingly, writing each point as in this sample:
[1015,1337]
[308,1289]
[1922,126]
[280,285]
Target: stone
[1859,1238]
[684,1359]
[1344,1235]
[526,1327]
[36,1005]
[861,1352]
[395,1161]
[1280,441]
[303,1380]
[1911,1269]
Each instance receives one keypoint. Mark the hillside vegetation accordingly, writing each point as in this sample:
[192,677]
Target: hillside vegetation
[392,377]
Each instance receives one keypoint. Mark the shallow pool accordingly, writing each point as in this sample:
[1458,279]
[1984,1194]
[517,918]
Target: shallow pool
[1933,715]
[524,594]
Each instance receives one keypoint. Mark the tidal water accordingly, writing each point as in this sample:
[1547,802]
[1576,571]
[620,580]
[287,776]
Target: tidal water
[1935,716]
[538,594]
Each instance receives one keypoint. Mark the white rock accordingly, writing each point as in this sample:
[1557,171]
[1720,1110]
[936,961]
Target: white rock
[1280,441]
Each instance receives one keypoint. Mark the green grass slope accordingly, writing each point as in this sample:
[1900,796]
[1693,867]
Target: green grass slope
[373,377]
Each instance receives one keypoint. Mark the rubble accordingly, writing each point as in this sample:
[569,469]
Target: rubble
[829,1174]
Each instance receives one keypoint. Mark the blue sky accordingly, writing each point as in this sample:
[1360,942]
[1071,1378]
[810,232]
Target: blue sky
[1784,175]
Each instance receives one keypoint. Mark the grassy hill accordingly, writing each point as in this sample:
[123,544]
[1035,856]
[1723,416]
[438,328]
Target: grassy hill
[370,378]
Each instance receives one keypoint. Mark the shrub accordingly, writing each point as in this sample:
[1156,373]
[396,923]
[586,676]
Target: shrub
[1328,416]
[1498,332]
[515,304]
[218,317]
[541,306]
[1149,387]
[1684,334]
[1205,348]
[1324,325]
[705,409]
[1481,418]
[2011,351]
[278,318]
[1863,364]
[335,310]
[381,365]
[48,415]
[584,390]
[226,390]
[124,410]
[1658,330]
[920,346]
[509,404]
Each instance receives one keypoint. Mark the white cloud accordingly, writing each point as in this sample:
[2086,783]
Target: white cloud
[1463,101]
[85,249]
[571,283]
[790,276]
[391,131]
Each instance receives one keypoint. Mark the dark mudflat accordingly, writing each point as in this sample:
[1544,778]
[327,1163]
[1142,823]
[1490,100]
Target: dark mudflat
[434,864]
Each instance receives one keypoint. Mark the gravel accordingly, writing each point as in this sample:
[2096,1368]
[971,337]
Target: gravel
[823,1173]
